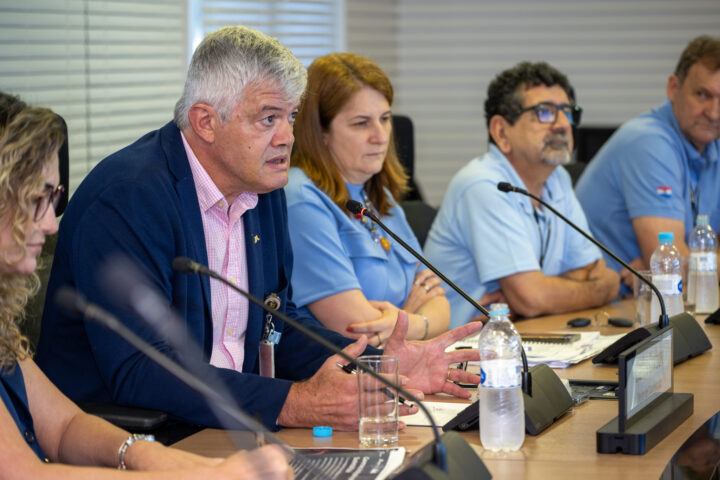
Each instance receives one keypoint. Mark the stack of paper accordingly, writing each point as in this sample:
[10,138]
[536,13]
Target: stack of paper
[555,355]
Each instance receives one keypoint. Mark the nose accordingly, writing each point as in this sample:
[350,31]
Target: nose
[381,132]
[713,109]
[48,222]
[563,120]
[284,134]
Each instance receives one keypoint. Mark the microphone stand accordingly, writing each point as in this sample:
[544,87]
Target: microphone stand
[542,409]
[689,339]
[445,461]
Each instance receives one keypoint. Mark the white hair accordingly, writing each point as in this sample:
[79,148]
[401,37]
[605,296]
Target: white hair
[230,59]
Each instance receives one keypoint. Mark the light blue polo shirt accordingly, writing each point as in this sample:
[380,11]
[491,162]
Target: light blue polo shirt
[333,252]
[481,234]
[648,168]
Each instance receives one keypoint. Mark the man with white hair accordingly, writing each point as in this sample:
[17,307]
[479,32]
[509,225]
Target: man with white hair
[505,246]
[208,186]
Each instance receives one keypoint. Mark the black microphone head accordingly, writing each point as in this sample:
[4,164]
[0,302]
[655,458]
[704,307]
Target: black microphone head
[505,187]
[70,301]
[354,206]
[184,265]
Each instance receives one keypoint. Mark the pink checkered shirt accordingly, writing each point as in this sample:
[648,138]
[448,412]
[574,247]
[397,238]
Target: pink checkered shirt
[225,242]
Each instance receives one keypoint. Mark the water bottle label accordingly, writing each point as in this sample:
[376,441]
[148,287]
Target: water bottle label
[500,373]
[703,261]
[668,283]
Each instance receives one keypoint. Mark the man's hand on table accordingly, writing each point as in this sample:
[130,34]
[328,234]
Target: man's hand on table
[330,397]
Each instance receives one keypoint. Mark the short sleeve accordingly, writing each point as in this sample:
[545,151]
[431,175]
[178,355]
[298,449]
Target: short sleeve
[652,178]
[321,265]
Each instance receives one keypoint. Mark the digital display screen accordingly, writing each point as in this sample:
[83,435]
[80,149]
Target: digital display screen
[648,372]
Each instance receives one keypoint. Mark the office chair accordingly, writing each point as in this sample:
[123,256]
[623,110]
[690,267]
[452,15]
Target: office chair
[419,214]
[588,141]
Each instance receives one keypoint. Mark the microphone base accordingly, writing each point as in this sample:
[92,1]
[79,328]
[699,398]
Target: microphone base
[689,340]
[462,462]
[550,400]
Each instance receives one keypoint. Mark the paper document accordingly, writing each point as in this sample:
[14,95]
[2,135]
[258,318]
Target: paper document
[349,464]
[562,355]
[442,412]
[555,355]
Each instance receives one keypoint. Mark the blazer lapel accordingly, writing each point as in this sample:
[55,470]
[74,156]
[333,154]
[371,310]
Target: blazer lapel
[179,166]
[256,282]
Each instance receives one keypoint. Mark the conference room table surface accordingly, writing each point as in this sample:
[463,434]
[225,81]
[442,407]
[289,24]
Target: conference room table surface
[567,449]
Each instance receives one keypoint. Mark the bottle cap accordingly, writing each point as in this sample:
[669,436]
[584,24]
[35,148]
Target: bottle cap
[322,431]
[499,311]
[702,220]
[666,237]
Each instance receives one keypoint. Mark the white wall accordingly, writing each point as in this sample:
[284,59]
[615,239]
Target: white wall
[617,54]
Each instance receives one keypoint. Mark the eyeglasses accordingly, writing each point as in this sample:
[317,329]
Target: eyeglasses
[547,112]
[51,196]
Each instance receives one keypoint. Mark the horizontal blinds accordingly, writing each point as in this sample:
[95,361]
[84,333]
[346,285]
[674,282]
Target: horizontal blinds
[617,54]
[309,28]
[112,69]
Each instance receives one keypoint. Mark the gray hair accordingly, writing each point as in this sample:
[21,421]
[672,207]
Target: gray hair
[230,59]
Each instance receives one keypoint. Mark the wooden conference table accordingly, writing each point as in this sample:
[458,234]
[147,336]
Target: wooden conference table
[567,448]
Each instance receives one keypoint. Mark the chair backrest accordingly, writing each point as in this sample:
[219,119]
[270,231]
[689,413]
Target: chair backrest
[588,141]
[64,158]
[404,135]
[420,217]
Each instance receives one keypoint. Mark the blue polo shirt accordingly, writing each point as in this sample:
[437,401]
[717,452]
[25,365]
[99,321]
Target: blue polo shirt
[648,168]
[333,252]
[481,234]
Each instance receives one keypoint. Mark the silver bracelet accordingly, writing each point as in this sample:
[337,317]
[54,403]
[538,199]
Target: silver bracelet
[126,444]
[427,327]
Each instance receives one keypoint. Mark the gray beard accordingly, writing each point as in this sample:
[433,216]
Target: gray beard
[556,157]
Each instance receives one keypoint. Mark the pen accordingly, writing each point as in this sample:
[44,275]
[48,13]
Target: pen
[350,368]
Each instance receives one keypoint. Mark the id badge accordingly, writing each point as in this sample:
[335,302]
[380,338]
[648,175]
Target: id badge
[269,339]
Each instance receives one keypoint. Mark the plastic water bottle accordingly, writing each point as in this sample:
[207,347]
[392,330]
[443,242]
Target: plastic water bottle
[702,269]
[502,411]
[667,276]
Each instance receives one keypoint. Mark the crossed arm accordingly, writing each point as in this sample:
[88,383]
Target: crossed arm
[531,293]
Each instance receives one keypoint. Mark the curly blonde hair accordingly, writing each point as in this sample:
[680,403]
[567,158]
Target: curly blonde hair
[29,136]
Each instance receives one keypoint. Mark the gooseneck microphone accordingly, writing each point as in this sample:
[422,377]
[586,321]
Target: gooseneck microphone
[357,208]
[451,462]
[689,339]
[546,398]
[663,321]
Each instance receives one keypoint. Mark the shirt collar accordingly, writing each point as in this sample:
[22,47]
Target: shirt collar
[552,190]
[209,195]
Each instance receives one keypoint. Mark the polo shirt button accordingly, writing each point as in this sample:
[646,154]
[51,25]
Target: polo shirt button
[29,436]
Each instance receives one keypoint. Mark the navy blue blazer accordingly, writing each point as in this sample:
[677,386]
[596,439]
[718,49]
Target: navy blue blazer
[141,201]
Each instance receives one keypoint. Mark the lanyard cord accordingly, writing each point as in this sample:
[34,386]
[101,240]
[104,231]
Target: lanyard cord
[544,243]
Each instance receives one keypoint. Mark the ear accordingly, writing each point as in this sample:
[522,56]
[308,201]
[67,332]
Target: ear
[673,85]
[498,130]
[203,121]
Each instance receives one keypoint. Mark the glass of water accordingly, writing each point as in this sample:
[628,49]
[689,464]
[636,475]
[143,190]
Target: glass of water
[378,403]
[643,295]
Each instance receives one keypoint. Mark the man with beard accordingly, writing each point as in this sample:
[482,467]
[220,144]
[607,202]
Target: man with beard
[506,247]
[660,169]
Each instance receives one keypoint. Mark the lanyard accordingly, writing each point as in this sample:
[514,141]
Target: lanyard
[544,242]
[695,201]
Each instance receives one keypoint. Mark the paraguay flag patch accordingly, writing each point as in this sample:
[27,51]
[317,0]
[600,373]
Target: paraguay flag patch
[664,191]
